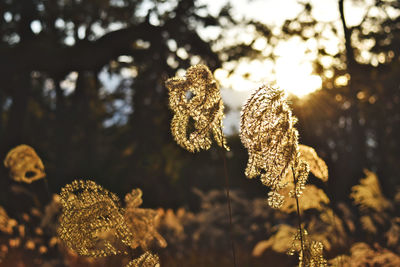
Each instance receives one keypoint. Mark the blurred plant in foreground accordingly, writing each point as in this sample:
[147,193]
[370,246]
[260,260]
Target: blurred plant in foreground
[91,222]
[24,164]
[94,224]
[142,223]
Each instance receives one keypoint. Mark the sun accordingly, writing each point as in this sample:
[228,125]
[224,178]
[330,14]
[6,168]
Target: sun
[293,76]
[297,79]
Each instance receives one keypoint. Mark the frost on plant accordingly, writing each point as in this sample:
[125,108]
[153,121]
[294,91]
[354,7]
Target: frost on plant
[198,109]
[267,131]
[24,164]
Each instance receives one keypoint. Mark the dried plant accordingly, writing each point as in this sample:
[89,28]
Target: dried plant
[6,223]
[92,221]
[311,255]
[267,131]
[196,98]
[361,254]
[279,242]
[145,260]
[368,194]
[312,198]
[24,164]
[141,222]
[317,165]
[376,210]
[393,234]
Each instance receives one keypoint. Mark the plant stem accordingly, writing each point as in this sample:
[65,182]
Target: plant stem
[229,206]
[298,213]
[46,185]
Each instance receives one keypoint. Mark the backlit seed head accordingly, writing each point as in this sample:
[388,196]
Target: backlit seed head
[92,221]
[145,260]
[267,131]
[198,109]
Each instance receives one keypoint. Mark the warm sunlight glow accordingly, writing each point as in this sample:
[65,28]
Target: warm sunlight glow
[297,79]
[293,69]
[292,72]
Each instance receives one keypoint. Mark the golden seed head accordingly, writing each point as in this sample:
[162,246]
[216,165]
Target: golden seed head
[91,222]
[6,223]
[145,260]
[311,255]
[198,109]
[24,164]
[368,194]
[267,131]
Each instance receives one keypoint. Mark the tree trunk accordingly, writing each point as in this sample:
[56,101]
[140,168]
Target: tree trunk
[357,139]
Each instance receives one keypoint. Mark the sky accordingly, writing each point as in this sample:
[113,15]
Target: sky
[293,70]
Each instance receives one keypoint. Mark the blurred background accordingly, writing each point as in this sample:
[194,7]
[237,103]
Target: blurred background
[82,82]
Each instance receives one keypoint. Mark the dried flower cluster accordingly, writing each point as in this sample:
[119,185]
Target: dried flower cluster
[141,222]
[267,131]
[368,194]
[361,254]
[92,221]
[278,242]
[24,164]
[145,260]
[198,109]
[312,253]
[6,223]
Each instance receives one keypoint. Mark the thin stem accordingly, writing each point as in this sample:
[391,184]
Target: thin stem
[229,206]
[46,185]
[298,213]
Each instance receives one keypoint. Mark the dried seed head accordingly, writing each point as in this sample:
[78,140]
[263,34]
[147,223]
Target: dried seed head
[6,223]
[313,251]
[267,131]
[24,164]
[368,194]
[302,171]
[145,260]
[196,98]
[141,222]
[91,222]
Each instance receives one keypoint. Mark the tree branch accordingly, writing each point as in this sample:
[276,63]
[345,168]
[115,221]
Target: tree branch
[44,55]
[347,39]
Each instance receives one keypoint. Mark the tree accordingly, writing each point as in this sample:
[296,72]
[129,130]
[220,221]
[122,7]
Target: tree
[353,120]
[46,43]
